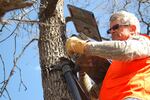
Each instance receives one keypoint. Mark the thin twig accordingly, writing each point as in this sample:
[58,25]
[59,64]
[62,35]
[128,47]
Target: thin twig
[8,94]
[21,80]
[142,19]
[35,39]
[15,28]
[15,64]
[11,73]
[3,66]
[10,34]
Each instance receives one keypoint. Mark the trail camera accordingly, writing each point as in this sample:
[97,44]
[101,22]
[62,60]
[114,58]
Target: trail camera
[84,22]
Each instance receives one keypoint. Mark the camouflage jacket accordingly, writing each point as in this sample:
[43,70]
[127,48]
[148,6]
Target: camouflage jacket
[136,47]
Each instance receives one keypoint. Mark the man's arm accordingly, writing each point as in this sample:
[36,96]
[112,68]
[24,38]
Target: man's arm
[136,47]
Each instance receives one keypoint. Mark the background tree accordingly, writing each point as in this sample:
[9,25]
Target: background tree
[49,31]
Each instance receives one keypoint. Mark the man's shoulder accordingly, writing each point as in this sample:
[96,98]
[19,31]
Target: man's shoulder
[140,37]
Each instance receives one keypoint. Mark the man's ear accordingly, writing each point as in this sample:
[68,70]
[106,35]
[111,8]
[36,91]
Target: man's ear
[132,28]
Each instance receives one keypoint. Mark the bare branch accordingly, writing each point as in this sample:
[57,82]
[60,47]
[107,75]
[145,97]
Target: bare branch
[2,27]
[3,66]
[26,48]
[10,34]
[28,21]
[9,5]
[127,2]
[144,1]
[15,28]
[25,21]
[142,17]
[8,94]
[21,80]
[3,88]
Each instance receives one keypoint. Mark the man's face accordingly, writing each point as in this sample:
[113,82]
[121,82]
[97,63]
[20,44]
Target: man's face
[119,31]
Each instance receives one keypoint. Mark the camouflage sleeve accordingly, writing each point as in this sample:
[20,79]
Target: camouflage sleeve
[136,47]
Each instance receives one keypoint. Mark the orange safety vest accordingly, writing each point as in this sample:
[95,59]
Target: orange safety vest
[127,79]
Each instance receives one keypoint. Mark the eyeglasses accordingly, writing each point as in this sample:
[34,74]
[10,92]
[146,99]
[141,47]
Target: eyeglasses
[115,27]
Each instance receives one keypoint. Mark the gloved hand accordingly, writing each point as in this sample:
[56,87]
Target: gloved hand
[75,45]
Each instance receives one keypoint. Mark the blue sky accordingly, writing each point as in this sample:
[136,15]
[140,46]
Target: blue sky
[29,62]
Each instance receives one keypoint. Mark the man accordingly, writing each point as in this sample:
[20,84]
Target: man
[128,77]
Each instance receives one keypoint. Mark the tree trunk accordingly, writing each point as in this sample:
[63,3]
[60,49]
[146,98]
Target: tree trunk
[51,48]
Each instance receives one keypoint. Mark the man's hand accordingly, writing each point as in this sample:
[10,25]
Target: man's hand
[75,45]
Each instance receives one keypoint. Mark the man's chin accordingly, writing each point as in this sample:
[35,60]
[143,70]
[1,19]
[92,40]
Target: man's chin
[117,39]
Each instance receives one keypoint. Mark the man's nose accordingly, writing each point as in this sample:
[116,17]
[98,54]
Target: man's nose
[112,31]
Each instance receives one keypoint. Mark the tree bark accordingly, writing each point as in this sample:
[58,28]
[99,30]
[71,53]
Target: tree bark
[51,48]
